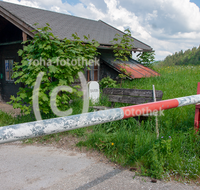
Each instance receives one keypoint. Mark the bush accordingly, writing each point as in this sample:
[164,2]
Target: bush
[107,82]
[42,55]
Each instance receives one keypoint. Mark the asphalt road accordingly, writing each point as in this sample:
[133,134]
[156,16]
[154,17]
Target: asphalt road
[24,167]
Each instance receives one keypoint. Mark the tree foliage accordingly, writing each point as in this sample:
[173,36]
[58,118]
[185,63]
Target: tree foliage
[107,82]
[189,57]
[146,58]
[49,50]
[123,45]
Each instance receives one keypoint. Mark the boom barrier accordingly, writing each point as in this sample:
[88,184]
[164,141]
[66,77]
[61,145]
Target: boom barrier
[39,128]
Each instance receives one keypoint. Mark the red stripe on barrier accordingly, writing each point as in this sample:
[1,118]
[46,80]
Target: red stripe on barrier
[137,110]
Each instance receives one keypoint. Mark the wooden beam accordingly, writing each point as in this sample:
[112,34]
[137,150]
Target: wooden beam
[11,43]
[24,36]
[17,22]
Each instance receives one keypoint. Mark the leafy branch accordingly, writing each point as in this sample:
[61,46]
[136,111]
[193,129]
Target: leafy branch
[123,45]
[51,50]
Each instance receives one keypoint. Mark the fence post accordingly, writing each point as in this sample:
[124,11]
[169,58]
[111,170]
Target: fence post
[197,112]
[154,99]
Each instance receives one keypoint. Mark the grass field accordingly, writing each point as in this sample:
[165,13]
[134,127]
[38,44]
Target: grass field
[176,154]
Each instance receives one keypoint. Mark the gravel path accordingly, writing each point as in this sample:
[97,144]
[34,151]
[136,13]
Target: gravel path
[34,167]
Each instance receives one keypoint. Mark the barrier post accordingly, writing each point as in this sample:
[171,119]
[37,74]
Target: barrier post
[197,112]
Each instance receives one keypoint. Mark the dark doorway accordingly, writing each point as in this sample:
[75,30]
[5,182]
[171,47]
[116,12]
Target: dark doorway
[10,43]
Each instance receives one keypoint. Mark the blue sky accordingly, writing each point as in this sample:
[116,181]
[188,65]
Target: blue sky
[197,2]
[167,26]
[73,2]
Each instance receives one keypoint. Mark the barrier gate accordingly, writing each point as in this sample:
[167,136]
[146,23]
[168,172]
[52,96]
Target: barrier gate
[44,127]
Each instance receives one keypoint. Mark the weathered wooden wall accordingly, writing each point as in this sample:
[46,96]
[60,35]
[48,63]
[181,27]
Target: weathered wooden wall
[10,43]
[8,88]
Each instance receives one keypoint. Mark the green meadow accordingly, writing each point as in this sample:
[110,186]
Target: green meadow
[176,153]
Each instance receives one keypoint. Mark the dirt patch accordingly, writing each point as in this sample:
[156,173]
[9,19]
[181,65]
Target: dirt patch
[9,109]
[69,142]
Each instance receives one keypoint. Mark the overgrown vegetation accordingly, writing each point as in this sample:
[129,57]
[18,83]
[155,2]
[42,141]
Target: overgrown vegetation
[123,45]
[189,57]
[59,60]
[175,154]
[107,82]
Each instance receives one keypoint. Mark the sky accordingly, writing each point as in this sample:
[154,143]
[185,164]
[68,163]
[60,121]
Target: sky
[168,26]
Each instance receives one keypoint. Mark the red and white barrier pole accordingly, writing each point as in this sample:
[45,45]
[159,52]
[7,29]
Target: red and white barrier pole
[136,110]
[50,126]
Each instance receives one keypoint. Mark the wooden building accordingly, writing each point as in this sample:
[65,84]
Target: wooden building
[17,25]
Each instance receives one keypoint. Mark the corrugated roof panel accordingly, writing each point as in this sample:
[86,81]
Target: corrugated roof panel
[132,67]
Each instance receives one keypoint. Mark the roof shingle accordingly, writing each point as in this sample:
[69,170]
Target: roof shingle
[64,25]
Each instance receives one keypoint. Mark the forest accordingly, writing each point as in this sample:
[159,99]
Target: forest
[189,57]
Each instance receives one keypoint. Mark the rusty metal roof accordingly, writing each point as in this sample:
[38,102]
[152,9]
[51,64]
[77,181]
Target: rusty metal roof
[133,69]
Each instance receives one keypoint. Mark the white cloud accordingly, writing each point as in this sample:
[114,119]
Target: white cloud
[25,2]
[165,25]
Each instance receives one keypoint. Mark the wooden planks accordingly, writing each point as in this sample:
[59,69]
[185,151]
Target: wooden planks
[132,92]
[130,99]
[131,96]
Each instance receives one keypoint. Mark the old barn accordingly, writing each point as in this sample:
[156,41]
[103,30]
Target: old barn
[17,25]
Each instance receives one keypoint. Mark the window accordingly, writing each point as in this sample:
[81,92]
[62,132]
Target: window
[9,69]
[92,74]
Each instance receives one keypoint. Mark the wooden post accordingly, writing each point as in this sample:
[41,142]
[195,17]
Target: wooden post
[154,99]
[197,111]
[24,36]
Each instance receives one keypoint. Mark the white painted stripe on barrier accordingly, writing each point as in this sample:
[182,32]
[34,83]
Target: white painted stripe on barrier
[39,128]
[188,100]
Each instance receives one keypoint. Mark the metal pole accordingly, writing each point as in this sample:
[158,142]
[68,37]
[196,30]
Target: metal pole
[136,110]
[38,128]
[156,117]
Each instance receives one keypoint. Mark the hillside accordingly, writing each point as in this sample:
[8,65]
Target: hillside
[189,57]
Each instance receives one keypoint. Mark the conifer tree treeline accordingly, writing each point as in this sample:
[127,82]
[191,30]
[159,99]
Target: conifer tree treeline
[189,57]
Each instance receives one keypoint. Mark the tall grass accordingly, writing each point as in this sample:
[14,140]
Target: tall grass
[176,153]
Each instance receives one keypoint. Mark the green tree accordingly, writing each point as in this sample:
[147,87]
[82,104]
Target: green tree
[42,54]
[146,58]
[189,57]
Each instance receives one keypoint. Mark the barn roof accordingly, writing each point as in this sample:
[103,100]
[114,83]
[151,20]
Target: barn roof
[62,25]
